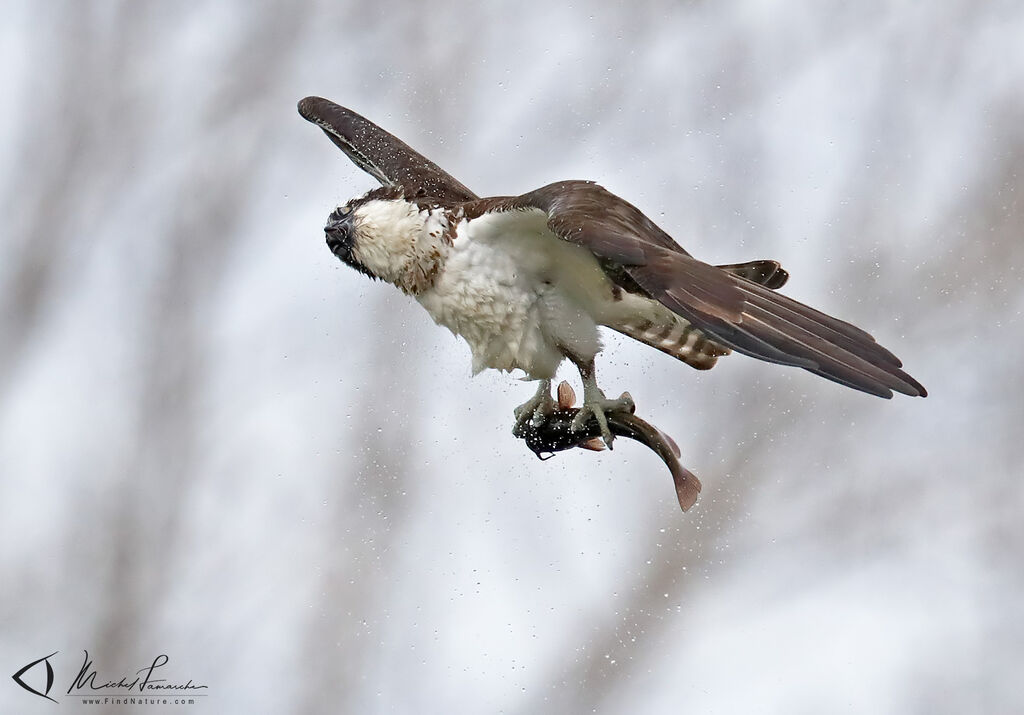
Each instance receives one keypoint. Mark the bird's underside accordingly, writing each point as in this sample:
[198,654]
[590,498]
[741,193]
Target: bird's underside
[703,312]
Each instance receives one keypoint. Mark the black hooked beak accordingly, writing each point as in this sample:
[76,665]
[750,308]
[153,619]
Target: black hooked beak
[339,235]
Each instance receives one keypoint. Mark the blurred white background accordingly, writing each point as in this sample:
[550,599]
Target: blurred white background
[218,443]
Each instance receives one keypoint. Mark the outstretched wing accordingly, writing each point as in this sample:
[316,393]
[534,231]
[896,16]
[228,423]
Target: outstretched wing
[381,154]
[731,310]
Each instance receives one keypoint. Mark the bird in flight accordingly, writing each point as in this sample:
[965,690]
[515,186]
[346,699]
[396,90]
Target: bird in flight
[527,280]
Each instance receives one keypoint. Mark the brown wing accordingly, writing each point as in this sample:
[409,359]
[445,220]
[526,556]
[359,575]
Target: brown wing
[673,335]
[381,154]
[731,310]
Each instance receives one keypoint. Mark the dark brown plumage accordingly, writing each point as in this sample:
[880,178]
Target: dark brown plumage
[381,154]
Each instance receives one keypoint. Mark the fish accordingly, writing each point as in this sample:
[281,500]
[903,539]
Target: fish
[553,433]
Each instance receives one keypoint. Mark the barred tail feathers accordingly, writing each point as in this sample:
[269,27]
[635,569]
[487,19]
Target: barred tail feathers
[671,334]
[675,336]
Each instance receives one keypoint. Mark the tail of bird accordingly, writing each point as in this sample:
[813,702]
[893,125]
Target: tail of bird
[675,336]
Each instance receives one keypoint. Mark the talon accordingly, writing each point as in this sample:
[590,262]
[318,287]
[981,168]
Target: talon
[596,406]
[536,409]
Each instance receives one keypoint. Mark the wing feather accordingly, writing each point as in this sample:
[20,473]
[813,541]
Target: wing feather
[381,154]
[718,301]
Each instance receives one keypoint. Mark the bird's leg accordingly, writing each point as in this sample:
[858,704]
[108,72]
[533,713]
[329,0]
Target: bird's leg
[537,407]
[596,404]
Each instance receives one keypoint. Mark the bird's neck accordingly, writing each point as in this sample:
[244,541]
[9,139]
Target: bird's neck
[402,244]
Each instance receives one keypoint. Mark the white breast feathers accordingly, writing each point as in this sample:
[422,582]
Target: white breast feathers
[398,242]
[520,296]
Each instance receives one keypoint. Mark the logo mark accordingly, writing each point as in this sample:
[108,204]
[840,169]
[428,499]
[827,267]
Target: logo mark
[49,676]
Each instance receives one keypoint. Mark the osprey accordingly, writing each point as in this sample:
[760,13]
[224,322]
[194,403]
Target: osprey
[526,280]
